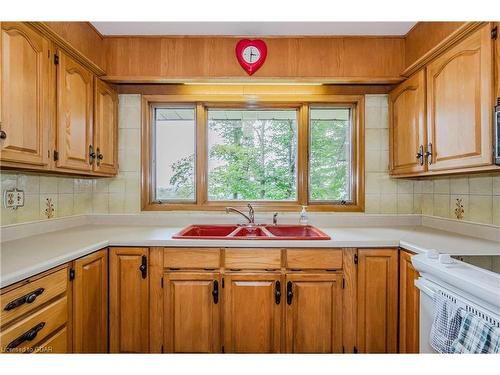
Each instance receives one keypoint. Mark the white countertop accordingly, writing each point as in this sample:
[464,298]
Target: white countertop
[25,257]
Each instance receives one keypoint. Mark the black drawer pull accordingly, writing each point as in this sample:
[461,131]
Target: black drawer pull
[27,336]
[277,292]
[289,292]
[215,292]
[28,298]
[144,266]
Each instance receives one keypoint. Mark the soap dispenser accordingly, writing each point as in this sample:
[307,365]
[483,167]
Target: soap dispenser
[303,219]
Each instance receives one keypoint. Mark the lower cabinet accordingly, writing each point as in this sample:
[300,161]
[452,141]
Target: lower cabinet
[90,303]
[313,313]
[377,300]
[129,300]
[252,312]
[192,312]
[409,305]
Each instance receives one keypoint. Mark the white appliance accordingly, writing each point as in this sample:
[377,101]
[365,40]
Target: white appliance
[474,289]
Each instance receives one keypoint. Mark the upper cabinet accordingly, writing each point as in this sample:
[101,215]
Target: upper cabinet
[74,115]
[441,118]
[407,137]
[25,106]
[105,128]
[459,104]
[497,61]
[55,115]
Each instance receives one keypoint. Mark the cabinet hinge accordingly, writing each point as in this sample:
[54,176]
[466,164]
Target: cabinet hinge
[355,350]
[223,282]
[222,349]
[56,59]
[56,155]
[355,258]
[494,33]
[71,274]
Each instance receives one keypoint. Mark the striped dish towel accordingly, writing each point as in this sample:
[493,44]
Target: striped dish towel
[476,336]
[446,324]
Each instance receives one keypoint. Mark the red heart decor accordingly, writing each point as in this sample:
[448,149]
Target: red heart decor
[251,67]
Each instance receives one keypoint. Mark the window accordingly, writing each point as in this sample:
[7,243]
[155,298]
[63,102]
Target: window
[208,150]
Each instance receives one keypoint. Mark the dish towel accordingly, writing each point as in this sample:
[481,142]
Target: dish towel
[446,324]
[476,336]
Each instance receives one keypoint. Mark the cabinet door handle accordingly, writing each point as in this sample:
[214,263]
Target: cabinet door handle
[215,292]
[3,135]
[420,155]
[28,298]
[144,266]
[428,153]
[289,292]
[27,336]
[99,156]
[91,155]
[277,292]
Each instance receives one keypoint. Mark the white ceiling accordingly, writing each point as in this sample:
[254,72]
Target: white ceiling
[253,28]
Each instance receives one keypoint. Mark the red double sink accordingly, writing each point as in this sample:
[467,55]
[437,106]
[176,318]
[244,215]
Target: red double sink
[253,232]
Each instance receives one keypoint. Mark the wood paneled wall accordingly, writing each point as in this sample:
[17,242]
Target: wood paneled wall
[424,36]
[336,59]
[83,37]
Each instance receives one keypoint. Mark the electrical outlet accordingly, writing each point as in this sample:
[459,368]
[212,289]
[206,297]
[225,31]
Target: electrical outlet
[13,198]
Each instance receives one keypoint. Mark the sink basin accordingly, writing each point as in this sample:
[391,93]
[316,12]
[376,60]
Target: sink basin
[259,232]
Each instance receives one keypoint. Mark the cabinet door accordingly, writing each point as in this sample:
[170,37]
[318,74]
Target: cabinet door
[25,106]
[192,318]
[459,104]
[252,316]
[407,126]
[128,300]
[497,63]
[90,303]
[409,305]
[377,300]
[313,313]
[74,115]
[105,128]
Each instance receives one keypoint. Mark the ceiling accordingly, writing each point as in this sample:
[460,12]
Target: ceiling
[253,28]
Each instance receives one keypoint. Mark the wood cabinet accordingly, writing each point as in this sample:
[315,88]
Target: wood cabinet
[313,313]
[90,303]
[105,128]
[74,115]
[252,312]
[25,105]
[409,305]
[407,130]
[128,300]
[459,104]
[192,312]
[377,300]
[497,61]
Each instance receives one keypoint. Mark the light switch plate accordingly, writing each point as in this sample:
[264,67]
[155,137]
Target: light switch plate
[13,198]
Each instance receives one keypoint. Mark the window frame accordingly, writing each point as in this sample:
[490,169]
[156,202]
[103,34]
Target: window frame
[216,97]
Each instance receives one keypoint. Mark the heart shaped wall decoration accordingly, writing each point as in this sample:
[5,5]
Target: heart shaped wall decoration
[251,54]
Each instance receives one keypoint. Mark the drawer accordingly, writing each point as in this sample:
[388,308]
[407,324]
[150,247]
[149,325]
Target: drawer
[191,258]
[55,344]
[304,259]
[31,295]
[250,259]
[40,324]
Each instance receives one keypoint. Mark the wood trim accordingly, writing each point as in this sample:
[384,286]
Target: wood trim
[349,302]
[462,32]
[45,29]
[156,315]
[460,171]
[266,96]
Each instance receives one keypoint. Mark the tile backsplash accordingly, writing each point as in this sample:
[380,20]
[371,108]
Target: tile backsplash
[70,196]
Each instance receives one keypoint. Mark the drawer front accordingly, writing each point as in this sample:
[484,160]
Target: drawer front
[250,259]
[191,258]
[30,296]
[314,259]
[55,344]
[34,328]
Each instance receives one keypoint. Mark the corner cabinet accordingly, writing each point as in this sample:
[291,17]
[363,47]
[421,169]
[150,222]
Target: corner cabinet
[128,300]
[459,104]
[377,300]
[407,131]
[25,107]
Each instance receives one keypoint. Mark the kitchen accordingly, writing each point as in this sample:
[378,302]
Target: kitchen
[198,188]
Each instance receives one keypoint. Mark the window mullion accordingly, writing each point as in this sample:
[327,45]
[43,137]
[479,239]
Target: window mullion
[201,154]
[303,155]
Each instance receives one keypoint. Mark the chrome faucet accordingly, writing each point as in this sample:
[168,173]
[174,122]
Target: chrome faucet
[275,218]
[251,213]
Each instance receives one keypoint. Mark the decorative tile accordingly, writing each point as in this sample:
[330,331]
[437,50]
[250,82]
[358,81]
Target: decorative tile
[48,206]
[459,203]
